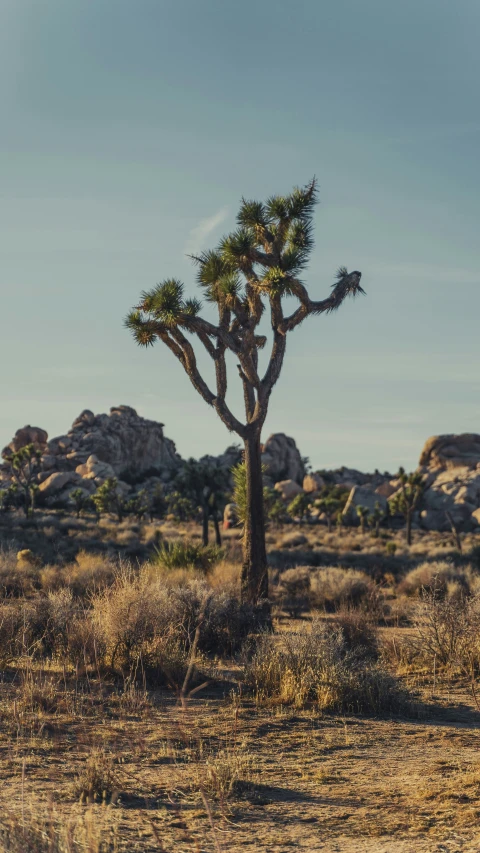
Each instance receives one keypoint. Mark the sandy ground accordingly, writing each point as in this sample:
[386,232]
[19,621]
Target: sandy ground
[338,785]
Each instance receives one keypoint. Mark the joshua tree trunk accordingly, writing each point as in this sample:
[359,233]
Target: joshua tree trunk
[409,526]
[218,538]
[254,569]
[205,524]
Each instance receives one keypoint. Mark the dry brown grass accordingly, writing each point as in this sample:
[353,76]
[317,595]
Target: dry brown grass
[195,774]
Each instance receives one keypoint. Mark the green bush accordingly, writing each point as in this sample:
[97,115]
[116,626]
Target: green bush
[187,555]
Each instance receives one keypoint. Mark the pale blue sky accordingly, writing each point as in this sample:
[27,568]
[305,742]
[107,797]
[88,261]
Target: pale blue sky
[130,130]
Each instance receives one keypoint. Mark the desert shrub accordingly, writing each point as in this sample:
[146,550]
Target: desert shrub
[294,590]
[187,555]
[316,668]
[46,832]
[332,587]
[127,616]
[98,778]
[147,627]
[293,540]
[89,573]
[227,772]
[359,631]
[39,692]
[226,625]
[10,632]
[441,575]
[16,579]
[447,631]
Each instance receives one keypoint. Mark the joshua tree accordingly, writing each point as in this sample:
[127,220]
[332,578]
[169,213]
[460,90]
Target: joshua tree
[180,506]
[407,499]
[80,499]
[299,507]
[24,467]
[331,506]
[138,505]
[362,513]
[375,518]
[254,267]
[205,483]
[274,507]
[108,498]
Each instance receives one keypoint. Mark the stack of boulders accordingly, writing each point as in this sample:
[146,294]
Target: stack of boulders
[451,467]
[121,444]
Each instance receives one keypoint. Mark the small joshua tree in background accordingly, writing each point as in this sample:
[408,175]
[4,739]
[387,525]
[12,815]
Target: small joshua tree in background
[299,507]
[25,467]
[138,505]
[157,505]
[108,498]
[375,518]
[331,502]
[254,268]
[362,513]
[408,498]
[180,506]
[205,483]
[81,501]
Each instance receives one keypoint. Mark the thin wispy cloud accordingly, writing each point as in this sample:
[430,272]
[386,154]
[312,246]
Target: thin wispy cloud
[199,235]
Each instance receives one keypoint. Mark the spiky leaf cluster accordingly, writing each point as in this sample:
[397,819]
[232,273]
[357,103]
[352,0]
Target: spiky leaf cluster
[252,269]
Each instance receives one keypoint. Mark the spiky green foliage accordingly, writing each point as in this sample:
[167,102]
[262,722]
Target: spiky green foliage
[81,501]
[407,499]
[255,265]
[375,518]
[180,506]
[363,513]
[299,507]
[187,555]
[108,498]
[24,468]
[239,476]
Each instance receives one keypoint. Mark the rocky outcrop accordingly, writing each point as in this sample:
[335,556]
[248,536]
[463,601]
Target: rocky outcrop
[121,444]
[133,446]
[27,435]
[442,452]
[282,459]
[451,467]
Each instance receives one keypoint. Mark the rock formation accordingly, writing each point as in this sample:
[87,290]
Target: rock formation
[282,459]
[27,435]
[121,444]
[442,452]
[451,467]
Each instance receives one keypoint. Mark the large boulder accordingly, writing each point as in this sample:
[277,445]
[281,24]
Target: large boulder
[288,489]
[27,435]
[455,491]
[55,483]
[313,483]
[364,496]
[95,470]
[442,452]
[282,459]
